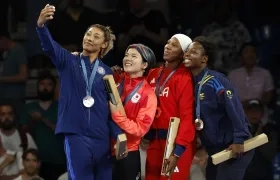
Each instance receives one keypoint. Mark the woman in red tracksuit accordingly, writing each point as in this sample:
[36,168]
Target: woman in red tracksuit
[140,105]
[173,85]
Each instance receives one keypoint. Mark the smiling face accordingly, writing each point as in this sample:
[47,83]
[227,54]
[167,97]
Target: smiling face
[133,63]
[172,50]
[94,40]
[195,56]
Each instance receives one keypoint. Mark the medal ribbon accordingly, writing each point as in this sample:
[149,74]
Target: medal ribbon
[89,81]
[159,88]
[132,92]
[197,110]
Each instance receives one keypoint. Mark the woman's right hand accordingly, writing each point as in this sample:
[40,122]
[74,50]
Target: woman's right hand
[117,69]
[46,14]
[75,53]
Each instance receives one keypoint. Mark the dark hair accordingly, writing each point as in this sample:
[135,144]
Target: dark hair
[147,55]
[247,44]
[254,104]
[32,151]
[209,47]
[6,102]
[46,74]
[109,38]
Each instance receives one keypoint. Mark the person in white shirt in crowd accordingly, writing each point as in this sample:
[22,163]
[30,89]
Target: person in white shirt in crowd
[13,141]
[31,164]
[64,176]
[9,166]
[252,81]
[199,163]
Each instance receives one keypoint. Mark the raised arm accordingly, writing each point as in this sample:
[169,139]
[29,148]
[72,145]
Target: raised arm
[57,54]
[137,127]
[186,131]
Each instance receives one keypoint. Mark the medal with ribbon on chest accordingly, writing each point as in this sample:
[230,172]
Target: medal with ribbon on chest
[198,121]
[159,89]
[88,100]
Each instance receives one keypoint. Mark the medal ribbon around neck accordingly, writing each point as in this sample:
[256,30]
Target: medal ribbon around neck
[89,81]
[197,110]
[159,88]
[133,92]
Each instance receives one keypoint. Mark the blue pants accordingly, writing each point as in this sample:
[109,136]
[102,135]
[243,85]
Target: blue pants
[233,169]
[88,158]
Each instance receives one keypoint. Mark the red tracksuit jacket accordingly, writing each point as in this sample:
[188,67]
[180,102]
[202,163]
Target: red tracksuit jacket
[176,102]
[140,110]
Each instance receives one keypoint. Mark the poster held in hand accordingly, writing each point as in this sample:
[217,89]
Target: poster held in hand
[115,98]
[250,144]
[170,141]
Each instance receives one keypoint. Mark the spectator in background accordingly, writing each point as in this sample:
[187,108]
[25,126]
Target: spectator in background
[199,163]
[261,165]
[76,18]
[143,25]
[40,118]
[228,33]
[13,141]
[9,166]
[31,164]
[14,72]
[251,81]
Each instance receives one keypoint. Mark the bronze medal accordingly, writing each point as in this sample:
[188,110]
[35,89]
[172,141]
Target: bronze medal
[198,124]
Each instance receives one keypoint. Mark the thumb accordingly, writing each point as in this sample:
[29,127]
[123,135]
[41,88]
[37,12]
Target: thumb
[47,5]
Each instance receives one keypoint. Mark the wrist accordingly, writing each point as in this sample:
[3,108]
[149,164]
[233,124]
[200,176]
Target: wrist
[179,150]
[238,140]
[40,25]
[175,155]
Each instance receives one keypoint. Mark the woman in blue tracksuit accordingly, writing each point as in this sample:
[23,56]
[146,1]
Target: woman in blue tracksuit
[83,114]
[223,124]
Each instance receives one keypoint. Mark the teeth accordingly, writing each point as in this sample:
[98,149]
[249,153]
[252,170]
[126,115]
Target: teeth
[128,64]
[187,61]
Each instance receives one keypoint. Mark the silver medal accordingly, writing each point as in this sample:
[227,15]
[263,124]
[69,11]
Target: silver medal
[198,124]
[88,101]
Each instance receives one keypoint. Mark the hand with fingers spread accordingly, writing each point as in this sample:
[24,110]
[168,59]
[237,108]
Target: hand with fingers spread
[46,14]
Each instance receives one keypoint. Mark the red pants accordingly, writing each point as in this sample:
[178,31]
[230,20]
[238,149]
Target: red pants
[155,157]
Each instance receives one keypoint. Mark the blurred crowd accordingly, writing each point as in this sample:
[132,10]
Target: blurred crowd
[246,33]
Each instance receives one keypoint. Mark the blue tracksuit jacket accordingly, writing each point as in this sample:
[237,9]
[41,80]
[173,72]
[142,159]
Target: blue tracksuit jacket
[73,117]
[221,111]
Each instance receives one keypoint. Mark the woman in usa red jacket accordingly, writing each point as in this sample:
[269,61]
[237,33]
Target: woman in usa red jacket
[140,104]
[173,85]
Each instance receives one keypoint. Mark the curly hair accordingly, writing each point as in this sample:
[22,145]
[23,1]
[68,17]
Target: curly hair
[209,47]
[109,38]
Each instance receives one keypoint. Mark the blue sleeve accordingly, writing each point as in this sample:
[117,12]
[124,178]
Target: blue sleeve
[115,130]
[57,54]
[179,150]
[234,109]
